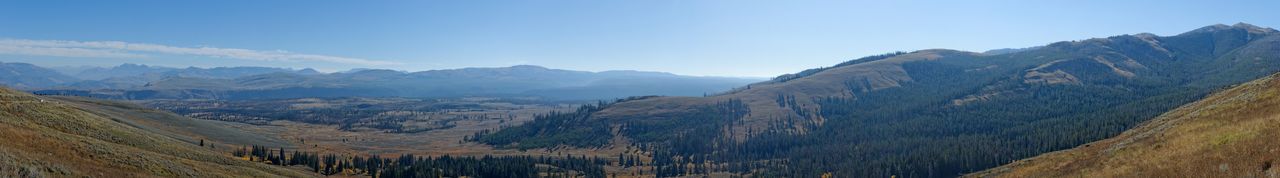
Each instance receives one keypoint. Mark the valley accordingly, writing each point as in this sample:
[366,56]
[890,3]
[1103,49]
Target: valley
[377,126]
[224,138]
[392,115]
[929,113]
[453,92]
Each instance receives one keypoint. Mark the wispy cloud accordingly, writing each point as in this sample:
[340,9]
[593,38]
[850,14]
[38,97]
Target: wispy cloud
[117,49]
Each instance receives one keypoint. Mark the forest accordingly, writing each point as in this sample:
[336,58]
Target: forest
[959,113]
[409,165]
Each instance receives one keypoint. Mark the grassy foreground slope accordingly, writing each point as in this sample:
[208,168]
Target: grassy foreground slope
[43,137]
[220,134]
[1229,134]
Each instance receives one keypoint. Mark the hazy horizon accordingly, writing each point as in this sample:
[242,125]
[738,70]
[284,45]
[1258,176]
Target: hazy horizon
[639,88]
[699,38]
[64,68]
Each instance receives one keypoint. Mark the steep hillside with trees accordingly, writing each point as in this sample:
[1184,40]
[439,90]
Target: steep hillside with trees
[1228,134]
[930,113]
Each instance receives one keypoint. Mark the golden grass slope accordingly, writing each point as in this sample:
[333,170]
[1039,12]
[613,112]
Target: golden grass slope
[41,137]
[1232,133]
[217,133]
[761,97]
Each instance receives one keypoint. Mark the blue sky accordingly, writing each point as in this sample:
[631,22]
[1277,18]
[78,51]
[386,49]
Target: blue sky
[714,38]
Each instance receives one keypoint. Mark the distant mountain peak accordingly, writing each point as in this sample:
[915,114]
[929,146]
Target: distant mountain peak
[354,70]
[526,66]
[1238,26]
[1009,50]
[131,65]
[1146,35]
[28,76]
[1246,25]
[1253,28]
[378,71]
[308,71]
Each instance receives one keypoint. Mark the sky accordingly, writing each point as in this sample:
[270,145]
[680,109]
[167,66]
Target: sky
[744,38]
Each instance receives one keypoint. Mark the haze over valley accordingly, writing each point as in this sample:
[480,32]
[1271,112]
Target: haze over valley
[134,81]
[639,89]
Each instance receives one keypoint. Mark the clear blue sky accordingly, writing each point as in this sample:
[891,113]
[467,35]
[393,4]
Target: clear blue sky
[717,38]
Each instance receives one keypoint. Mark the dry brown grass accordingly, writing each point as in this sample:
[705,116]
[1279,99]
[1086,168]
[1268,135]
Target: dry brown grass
[760,98]
[1232,133]
[43,137]
[329,139]
[178,131]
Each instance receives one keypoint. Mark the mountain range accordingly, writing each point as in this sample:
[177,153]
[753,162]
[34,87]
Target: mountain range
[1199,103]
[132,81]
[27,76]
[928,113]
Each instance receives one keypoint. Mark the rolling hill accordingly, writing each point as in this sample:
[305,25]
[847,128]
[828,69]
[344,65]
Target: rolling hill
[27,76]
[1228,134]
[928,113]
[55,137]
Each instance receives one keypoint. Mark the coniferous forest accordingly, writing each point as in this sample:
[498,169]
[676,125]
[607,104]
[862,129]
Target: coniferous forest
[959,113]
[638,89]
[410,165]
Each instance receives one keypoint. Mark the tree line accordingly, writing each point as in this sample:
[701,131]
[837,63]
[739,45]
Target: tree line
[409,165]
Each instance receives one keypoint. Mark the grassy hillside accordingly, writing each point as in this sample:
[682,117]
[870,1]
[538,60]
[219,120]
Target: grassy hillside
[930,113]
[1228,134]
[55,138]
[169,124]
